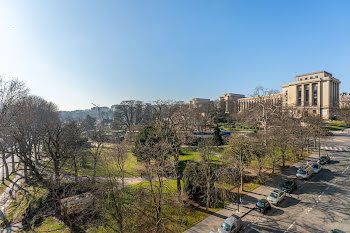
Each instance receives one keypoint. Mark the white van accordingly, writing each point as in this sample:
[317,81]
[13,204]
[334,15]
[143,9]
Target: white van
[304,172]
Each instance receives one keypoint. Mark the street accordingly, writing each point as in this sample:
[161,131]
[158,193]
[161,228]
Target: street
[319,204]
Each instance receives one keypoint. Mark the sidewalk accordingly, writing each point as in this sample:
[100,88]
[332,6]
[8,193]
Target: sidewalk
[5,200]
[213,222]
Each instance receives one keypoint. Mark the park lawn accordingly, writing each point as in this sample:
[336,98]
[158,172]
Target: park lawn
[16,209]
[104,166]
[189,155]
[183,216]
[7,183]
[51,224]
[337,125]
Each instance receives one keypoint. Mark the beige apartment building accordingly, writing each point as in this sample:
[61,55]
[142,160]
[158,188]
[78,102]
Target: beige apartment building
[313,93]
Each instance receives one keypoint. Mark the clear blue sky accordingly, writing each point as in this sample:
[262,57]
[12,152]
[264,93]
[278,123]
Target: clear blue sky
[75,53]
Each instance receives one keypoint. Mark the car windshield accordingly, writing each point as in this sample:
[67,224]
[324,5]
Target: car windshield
[323,158]
[287,185]
[274,195]
[225,226]
[315,166]
[301,171]
[260,204]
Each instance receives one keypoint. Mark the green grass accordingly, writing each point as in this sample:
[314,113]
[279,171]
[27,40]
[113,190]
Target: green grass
[51,224]
[18,206]
[7,183]
[188,155]
[337,125]
[183,216]
[105,166]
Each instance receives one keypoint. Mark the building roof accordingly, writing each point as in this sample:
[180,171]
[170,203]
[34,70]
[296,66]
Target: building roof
[300,75]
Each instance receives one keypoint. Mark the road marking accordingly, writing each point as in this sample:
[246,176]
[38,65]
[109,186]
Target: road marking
[345,169]
[319,196]
[327,188]
[291,225]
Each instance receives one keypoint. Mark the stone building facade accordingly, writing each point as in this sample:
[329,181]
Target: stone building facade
[313,93]
[229,102]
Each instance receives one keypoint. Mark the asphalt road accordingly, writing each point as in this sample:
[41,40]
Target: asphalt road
[320,204]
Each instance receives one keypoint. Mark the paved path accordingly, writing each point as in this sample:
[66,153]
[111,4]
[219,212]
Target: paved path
[5,200]
[9,164]
[331,187]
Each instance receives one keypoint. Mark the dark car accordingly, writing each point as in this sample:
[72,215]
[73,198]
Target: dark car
[262,205]
[323,160]
[289,186]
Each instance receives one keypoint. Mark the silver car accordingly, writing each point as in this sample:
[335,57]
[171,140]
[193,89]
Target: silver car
[304,172]
[276,196]
[317,168]
[232,224]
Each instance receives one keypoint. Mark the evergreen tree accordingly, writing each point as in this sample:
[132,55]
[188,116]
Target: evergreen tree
[217,139]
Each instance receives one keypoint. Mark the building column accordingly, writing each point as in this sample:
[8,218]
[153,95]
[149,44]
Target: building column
[319,94]
[302,94]
[310,95]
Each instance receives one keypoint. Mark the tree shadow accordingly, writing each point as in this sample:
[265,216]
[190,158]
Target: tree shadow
[274,212]
[333,162]
[289,201]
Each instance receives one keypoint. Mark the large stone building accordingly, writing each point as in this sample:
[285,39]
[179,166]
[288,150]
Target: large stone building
[314,93]
[199,102]
[229,102]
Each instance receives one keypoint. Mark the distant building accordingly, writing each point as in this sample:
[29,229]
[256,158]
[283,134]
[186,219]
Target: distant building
[344,100]
[313,93]
[229,101]
[199,102]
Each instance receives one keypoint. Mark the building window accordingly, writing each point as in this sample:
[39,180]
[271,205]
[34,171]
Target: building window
[316,76]
[298,111]
[301,79]
[305,78]
[299,96]
[287,95]
[306,96]
[314,94]
[311,77]
[314,111]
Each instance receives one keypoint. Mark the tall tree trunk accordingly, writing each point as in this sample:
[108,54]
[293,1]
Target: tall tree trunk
[178,179]
[75,168]
[25,172]
[283,151]
[13,162]
[5,166]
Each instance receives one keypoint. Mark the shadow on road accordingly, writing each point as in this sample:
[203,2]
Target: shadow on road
[289,201]
[274,212]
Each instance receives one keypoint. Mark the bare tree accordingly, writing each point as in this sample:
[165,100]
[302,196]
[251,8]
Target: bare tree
[238,154]
[206,170]
[132,113]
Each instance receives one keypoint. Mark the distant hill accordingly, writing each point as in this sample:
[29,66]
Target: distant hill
[106,113]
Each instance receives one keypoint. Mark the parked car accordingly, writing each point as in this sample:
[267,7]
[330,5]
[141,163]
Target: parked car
[262,205]
[232,224]
[289,186]
[304,172]
[276,196]
[316,167]
[324,160]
